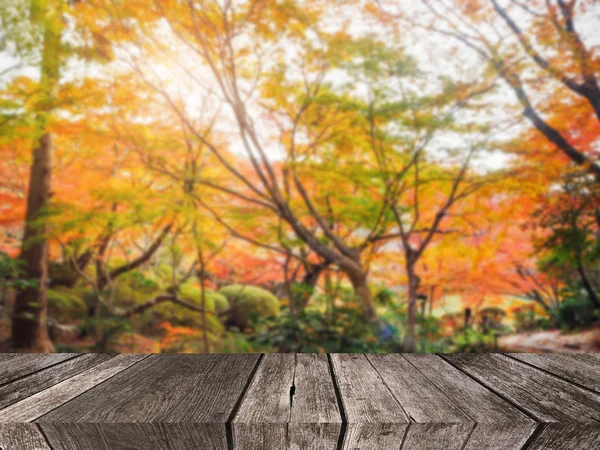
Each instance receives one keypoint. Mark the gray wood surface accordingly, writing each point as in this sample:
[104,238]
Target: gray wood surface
[37,405]
[198,391]
[262,418]
[576,367]
[21,436]
[434,415]
[316,420]
[17,365]
[134,436]
[558,436]
[290,403]
[31,384]
[497,420]
[164,388]
[375,418]
[545,397]
[300,401]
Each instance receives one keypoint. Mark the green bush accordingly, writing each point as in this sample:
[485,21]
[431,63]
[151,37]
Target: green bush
[384,296]
[575,312]
[65,304]
[248,303]
[311,331]
[133,287]
[138,281]
[220,301]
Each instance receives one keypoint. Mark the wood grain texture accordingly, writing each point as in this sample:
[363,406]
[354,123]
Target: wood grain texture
[489,436]
[17,365]
[422,400]
[394,401]
[437,436]
[31,384]
[374,436]
[497,420]
[577,367]
[135,436]
[165,388]
[21,436]
[316,420]
[37,405]
[375,418]
[544,396]
[439,423]
[558,436]
[291,403]
[262,418]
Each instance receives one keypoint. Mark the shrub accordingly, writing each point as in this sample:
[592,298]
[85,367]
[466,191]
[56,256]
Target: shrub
[384,296]
[248,303]
[65,305]
[575,312]
[525,319]
[313,331]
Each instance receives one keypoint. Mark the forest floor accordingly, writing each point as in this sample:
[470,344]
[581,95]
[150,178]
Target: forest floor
[585,340]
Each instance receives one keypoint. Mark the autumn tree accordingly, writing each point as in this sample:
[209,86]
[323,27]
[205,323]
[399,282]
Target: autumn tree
[29,317]
[537,48]
[571,221]
[219,35]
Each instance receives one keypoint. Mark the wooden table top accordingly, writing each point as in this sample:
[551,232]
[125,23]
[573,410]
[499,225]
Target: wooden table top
[69,401]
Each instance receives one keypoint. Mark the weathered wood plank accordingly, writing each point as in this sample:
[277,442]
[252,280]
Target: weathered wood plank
[21,436]
[375,418]
[31,384]
[291,403]
[497,420]
[577,367]
[422,400]
[558,436]
[437,436]
[164,388]
[41,403]
[439,423]
[507,436]
[544,396]
[17,365]
[134,436]
[316,420]
[262,418]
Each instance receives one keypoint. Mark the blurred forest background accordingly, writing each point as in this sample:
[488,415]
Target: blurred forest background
[295,175]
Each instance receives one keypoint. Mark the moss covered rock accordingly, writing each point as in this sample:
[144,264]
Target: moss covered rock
[248,302]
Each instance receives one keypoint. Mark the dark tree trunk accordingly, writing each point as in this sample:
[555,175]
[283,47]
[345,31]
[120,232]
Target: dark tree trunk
[29,330]
[309,281]
[587,285]
[358,278]
[413,288]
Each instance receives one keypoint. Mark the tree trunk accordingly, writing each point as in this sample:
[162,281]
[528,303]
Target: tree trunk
[29,330]
[309,281]
[587,285]
[413,287]
[358,278]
